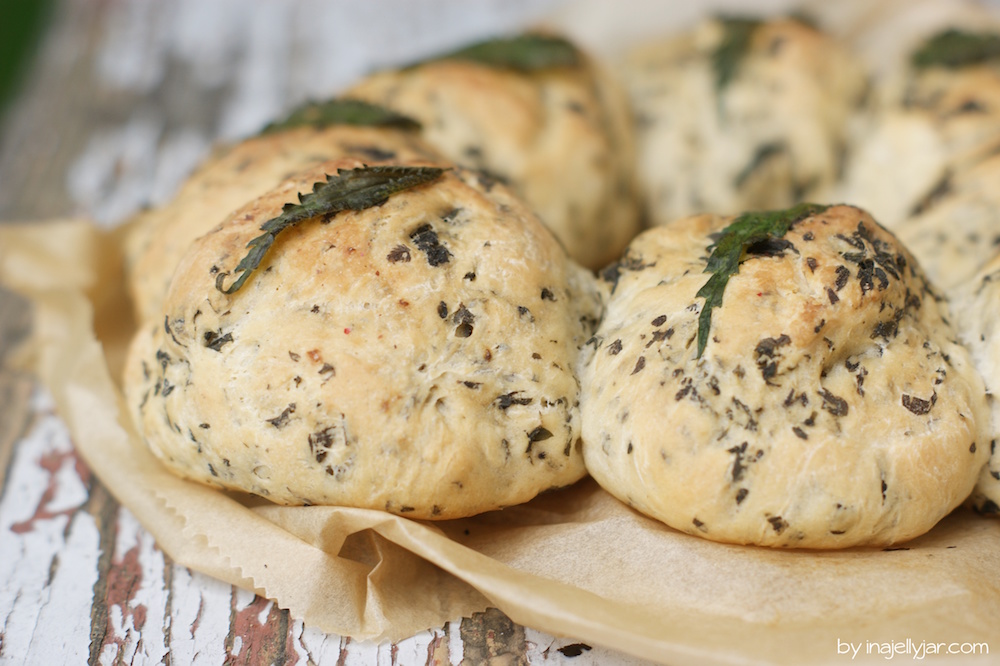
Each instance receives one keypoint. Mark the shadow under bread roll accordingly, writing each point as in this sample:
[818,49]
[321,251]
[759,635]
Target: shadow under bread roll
[238,173]
[806,391]
[415,356]
[542,116]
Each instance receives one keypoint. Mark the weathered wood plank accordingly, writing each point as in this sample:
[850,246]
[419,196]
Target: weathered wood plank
[199,618]
[49,549]
[135,597]
[15,386]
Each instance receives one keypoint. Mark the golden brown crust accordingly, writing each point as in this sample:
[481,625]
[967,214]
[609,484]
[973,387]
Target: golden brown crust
[831,408]
[560,137]
[415,357]
[230,178]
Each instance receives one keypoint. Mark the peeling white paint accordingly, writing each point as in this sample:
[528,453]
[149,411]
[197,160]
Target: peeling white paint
[146,643]
[313,646]
[544,649]
[456,650]
[199,618]
[48,566]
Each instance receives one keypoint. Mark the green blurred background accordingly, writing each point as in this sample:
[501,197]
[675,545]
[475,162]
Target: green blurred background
[22,23]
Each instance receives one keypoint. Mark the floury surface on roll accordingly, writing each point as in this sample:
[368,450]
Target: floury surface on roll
[416,356]
[978,322]
[931,121]
[740,114]
[830,407]
[539,114]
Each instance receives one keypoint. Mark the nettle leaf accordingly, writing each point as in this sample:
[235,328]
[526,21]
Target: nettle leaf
[343,111]
[956,48]
[737,33]
[524,53]
[350,189]
[730,249]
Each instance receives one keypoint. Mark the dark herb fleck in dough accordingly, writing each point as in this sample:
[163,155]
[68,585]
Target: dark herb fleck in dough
[615,347]
[778,523]
[917,405]
[885,330]
[281,420]
[215,340]
[834,404]
[426,240]
[628,262]
[398,254]
[843,275]
[508,399]
[741,460]
[539,434]
[464,320]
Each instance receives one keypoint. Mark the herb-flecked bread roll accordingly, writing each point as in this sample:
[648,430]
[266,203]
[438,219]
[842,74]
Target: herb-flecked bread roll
[740,114]
[241,172]
[977,315]
[415,356]
[935,118]
[955,231]
[831,405]
[541,116]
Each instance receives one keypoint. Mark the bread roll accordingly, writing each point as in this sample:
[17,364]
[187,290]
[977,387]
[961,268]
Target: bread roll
[560,136]
[977,315]
[725,128]
[415,357]
[955,231]
[929,124]
[832,405]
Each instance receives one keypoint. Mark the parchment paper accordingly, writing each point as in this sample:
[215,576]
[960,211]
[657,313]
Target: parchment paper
[574,562]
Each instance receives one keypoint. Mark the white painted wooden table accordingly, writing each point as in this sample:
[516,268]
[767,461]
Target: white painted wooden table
[124,99]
